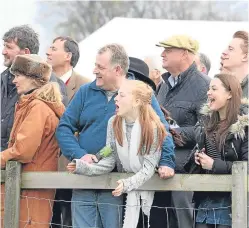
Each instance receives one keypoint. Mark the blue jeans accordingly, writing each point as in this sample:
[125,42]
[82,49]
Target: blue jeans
[96,209]
[213,210]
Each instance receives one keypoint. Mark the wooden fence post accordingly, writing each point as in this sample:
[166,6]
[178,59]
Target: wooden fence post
[12,194]
[239,195]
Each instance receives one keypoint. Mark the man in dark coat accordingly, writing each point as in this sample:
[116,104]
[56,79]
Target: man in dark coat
[17,41]
[182,94]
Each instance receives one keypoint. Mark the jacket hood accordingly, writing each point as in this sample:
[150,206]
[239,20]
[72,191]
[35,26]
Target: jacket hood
[239,127]
[57,107]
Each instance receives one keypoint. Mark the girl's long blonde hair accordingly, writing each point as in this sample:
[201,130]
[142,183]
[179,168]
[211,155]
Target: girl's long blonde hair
[148,118]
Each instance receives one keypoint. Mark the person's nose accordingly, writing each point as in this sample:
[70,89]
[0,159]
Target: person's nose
[209,92]
[224,54]
[163,53]
[95,70]
[4,51]
[15,80]
[116,98]
[48,52]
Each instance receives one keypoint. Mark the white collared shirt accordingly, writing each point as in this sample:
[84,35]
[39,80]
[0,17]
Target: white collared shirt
[173,80]
[66,76]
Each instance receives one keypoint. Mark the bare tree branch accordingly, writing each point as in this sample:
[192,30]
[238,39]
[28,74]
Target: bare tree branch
[81,18]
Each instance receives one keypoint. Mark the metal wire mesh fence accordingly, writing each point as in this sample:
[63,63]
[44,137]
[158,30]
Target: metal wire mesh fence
[143,223]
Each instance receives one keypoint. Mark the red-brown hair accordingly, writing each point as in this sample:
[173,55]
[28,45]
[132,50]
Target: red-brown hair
[148,119]
[243,35]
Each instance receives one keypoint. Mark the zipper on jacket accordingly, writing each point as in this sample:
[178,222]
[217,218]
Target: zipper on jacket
[202,135]
[223,152]
[234,150]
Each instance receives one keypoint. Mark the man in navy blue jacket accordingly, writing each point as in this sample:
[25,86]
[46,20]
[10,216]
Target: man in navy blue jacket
[88,113]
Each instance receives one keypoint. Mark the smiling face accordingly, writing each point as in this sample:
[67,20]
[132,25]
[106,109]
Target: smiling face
[106,73]
[233,57]
[218,96]
[23,84]
[126,104]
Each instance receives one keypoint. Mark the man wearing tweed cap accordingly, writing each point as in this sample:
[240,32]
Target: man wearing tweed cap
[182,94]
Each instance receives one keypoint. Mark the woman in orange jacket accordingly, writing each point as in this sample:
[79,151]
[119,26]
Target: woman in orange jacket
[32,140]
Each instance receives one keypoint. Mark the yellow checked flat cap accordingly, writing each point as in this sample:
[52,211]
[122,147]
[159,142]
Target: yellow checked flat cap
[180,41]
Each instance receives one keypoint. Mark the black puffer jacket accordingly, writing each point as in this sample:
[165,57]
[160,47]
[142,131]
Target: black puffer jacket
[8,102]
[184,101]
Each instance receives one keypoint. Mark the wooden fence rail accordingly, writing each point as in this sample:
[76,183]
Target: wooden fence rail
[237,183]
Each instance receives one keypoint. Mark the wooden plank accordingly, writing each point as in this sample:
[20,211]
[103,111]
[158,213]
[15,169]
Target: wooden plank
[180,182]
[2,174]
[239,195]
[12,194]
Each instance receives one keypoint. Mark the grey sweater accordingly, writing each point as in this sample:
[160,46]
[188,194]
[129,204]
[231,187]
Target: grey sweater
[106,165]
